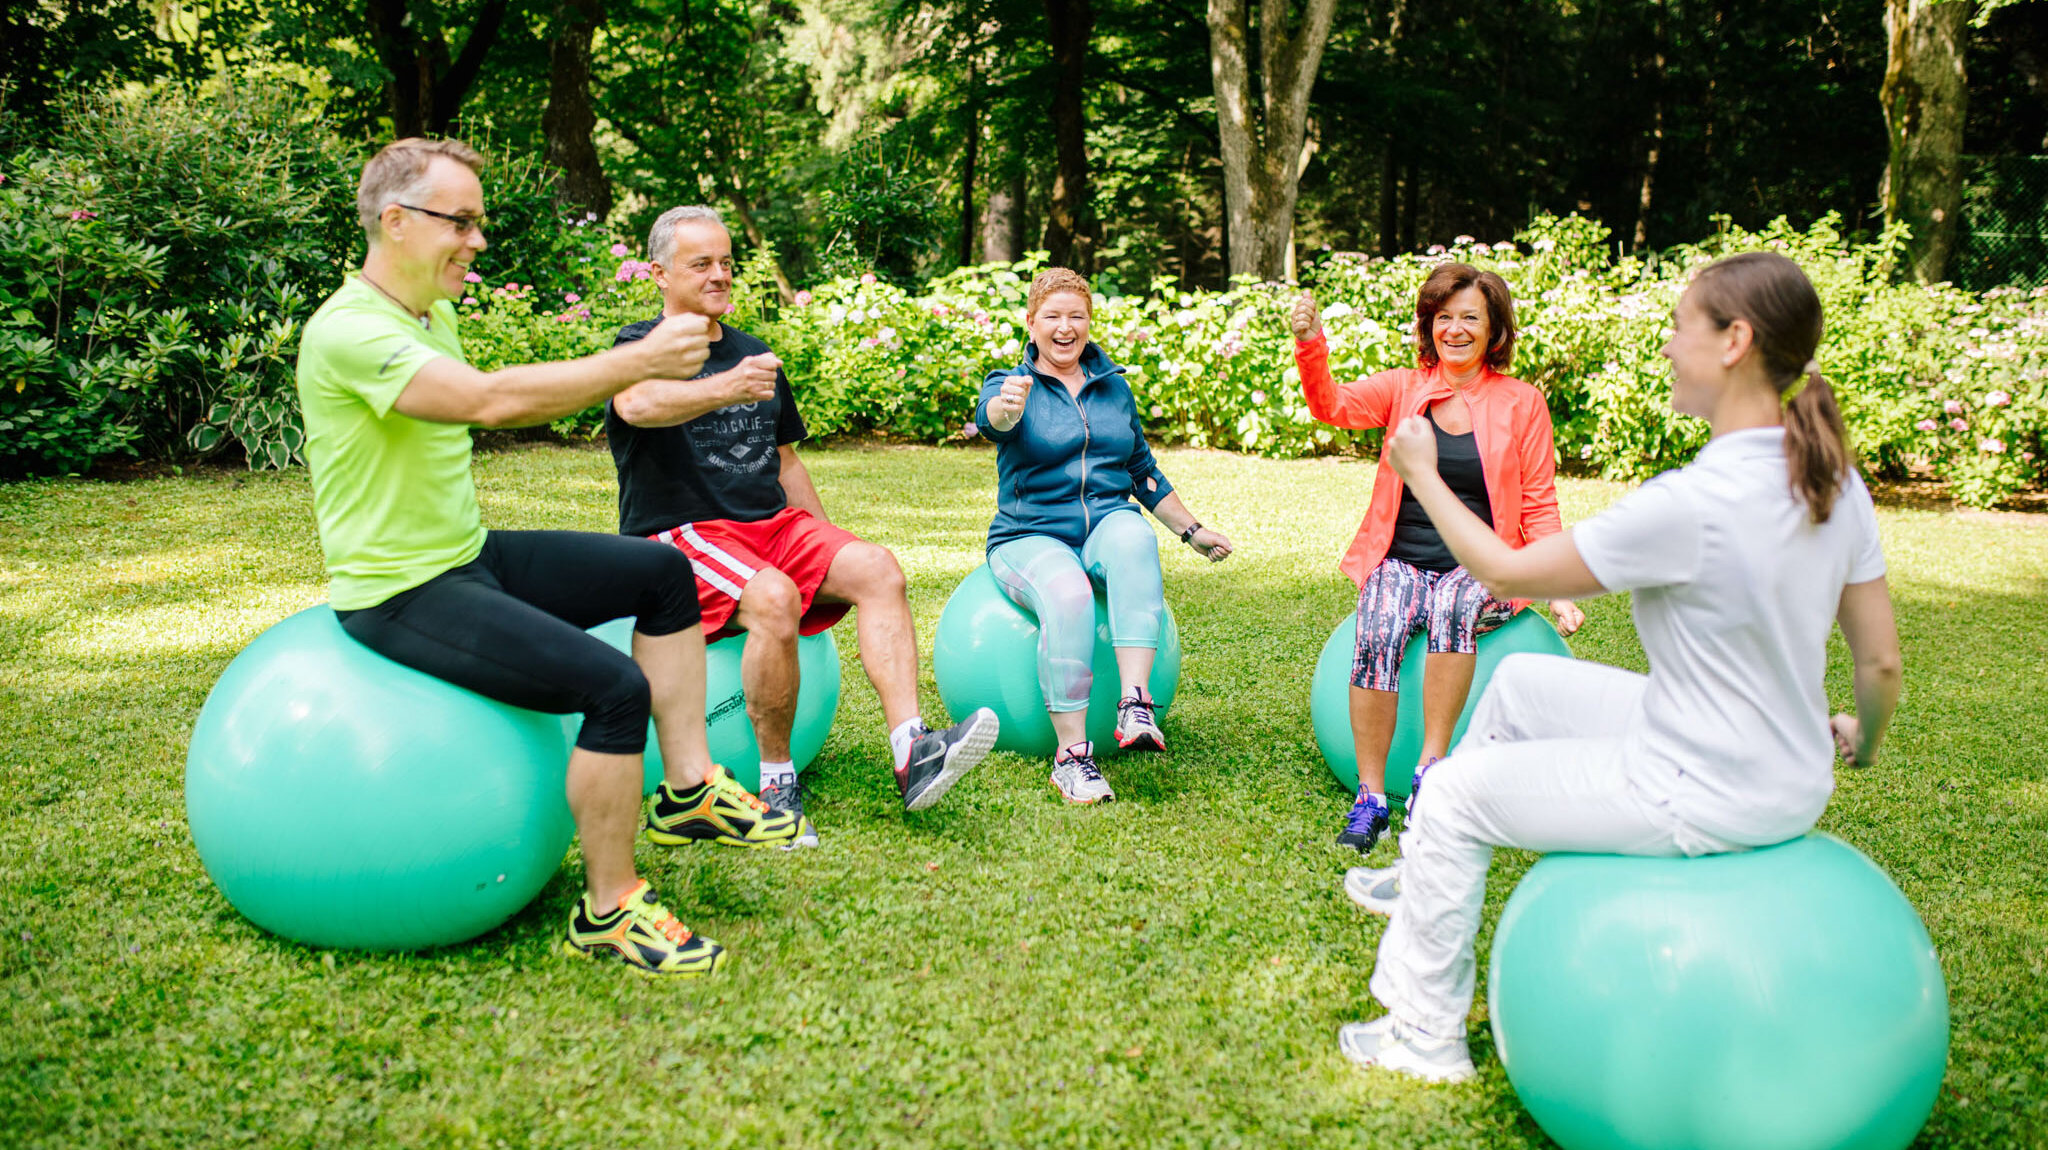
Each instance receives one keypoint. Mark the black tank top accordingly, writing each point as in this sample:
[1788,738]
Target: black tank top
[1416,541]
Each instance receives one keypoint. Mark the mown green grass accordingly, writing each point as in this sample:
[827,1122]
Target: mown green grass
[1169,970]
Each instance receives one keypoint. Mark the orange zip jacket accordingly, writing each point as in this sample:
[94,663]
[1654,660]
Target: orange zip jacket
[1510,421]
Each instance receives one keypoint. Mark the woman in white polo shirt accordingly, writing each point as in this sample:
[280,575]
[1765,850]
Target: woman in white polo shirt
[1739,564]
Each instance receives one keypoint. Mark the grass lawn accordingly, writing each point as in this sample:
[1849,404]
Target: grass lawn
[1002,970]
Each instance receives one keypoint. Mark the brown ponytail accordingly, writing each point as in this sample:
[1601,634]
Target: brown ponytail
[1783,311]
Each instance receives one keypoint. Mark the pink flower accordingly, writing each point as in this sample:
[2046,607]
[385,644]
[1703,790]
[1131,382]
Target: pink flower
[803,299]
[1953,407]
[1927,425]
[634,270]
[2026,457]
[1991,446]
[1436,249]
[868,341]
[82,214]
[472,278]
[1997,399]
[1959,424]
[868,278]
[620,250]
[1259,398]
[469,301]
[572,297]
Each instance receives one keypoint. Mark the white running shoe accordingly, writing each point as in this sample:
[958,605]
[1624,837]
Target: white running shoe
[1387,1044]
[1075,776]
[1376,889]
[1137,728]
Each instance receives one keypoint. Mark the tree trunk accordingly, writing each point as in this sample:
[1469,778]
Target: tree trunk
[1390,202]
[1002,225]
[1262,140]
[569,119]
[1070,232]
[426,90]
[1655,149]
[968,219]
[1925,96]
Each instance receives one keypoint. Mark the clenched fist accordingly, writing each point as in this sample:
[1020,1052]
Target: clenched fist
[1008,406]
[753,379]
[1306,319]
[678,346]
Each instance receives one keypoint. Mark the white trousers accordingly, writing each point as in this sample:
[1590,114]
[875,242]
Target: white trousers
[1540,768]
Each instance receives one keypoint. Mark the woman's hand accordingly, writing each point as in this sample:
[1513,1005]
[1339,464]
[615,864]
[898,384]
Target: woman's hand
[1306,319]
[1211,545]
[1566,616]
[1411,448]
[1007,408]
[1848,734]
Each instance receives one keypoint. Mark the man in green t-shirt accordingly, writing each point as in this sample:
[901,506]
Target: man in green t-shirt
[389,401]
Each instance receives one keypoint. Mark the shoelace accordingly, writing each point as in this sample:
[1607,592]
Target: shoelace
[730,787]
[649,912]
[1143,708]
[1084,763]
[1360,820]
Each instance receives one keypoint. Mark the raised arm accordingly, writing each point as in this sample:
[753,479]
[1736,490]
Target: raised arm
[1865,615]
[669,402]
[1366,404]
[447,390]
[1550,568]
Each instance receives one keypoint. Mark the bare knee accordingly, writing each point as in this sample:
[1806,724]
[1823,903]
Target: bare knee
[868,573]
[771,605]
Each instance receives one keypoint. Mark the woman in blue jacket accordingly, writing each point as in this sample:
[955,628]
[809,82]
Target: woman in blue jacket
[1070,457]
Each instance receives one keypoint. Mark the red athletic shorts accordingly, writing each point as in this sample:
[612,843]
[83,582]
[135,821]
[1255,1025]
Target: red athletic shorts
[728,553]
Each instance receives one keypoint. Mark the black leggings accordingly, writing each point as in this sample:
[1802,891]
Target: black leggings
[510,625]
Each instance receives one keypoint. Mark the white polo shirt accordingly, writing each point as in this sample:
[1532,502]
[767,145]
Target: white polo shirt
[1735,590]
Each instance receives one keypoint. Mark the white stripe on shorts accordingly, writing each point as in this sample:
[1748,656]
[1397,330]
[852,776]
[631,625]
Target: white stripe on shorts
[704,553]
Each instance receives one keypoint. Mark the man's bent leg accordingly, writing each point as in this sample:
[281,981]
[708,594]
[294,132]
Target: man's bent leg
[770,608]
[868,576]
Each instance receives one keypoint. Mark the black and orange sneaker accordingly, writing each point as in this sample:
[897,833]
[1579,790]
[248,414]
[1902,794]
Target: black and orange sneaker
[641,933]
[720,810]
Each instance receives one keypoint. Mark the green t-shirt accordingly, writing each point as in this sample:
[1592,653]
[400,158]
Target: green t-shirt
[392,494]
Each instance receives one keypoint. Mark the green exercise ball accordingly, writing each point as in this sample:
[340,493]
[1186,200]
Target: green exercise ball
[341,799]
[986,655]
[725,705]
[1329,699]
[1778,999]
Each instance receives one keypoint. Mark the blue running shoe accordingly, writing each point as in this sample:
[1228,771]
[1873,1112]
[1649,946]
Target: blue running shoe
[1366,823]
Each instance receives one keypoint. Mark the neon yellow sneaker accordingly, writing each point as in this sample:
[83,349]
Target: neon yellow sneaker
[642,934]
[720,810]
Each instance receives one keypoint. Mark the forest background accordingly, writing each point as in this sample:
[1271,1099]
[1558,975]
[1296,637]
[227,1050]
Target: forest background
[178,182]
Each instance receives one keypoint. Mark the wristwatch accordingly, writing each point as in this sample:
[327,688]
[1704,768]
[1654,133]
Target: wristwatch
[1188,536]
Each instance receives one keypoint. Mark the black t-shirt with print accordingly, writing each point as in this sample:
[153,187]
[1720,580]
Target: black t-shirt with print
[721,465]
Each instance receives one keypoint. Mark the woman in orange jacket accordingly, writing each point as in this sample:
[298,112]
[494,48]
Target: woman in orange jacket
[1494,450]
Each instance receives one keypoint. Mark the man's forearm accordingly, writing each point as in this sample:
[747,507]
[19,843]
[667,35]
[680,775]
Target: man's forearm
[668,402]
[532,393]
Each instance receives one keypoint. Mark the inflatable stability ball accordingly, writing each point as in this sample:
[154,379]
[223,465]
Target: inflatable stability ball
[341,799]
[1779,999]
[725,704]
[1329,700]
[986,655]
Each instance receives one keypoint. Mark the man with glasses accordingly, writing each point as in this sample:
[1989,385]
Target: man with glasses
[708,465]
[388,401]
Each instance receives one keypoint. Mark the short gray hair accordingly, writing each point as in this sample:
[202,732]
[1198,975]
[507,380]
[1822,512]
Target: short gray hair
[399,171]
[661,238]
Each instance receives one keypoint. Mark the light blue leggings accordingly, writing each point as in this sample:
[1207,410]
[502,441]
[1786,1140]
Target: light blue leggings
[1056,583]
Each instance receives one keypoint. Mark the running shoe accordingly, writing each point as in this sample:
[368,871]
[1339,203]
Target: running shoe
[1415,786]
[722,811]
[1389,1045]
[1366,822]
[938,759]
[1075,777]
[1137,729]
[787,798]
[641,933]
[1376,889]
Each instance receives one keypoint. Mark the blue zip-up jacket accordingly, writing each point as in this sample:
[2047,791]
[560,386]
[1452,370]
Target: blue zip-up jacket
[1069,461]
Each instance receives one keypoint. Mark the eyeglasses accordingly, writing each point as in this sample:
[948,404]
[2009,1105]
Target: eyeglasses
[463,224]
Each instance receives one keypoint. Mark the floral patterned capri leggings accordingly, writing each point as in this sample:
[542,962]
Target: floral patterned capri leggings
[1398,598]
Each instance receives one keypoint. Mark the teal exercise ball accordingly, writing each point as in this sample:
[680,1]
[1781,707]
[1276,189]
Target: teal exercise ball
[1329,700]
[1778,999]
[725,704]
[340,799]
[986,655]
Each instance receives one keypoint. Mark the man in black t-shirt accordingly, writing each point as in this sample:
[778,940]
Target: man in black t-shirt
[709,465]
